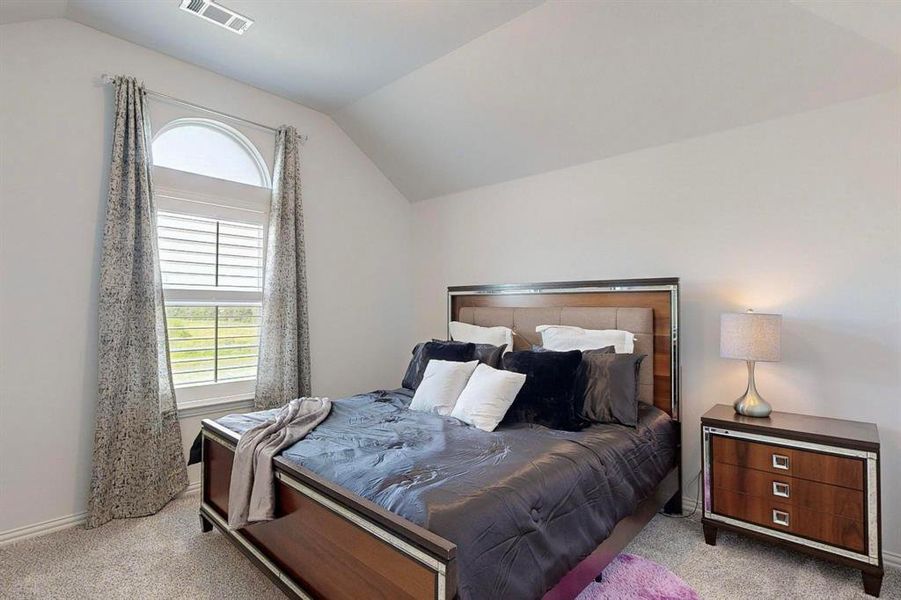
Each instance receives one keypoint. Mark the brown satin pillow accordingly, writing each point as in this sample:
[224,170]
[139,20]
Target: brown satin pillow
[608,385]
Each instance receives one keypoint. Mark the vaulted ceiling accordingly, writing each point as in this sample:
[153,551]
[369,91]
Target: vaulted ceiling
[447,96]
[323,54]
[572,82]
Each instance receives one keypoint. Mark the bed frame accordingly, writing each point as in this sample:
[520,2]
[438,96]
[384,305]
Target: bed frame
[328,542]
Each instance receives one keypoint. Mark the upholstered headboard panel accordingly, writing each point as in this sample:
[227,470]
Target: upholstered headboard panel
[648,308]
[639,321]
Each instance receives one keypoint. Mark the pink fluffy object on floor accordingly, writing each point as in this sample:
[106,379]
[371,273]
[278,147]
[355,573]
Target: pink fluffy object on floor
[631,577]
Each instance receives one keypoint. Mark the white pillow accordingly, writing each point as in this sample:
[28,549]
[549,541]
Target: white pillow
[496,336]
[563,337]
[488,396]
[442,382]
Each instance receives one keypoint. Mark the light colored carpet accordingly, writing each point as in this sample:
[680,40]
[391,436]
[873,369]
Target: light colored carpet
[166,556]
[739,568]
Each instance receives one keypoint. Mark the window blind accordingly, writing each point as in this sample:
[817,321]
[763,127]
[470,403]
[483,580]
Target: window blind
[209,253]
[214,337]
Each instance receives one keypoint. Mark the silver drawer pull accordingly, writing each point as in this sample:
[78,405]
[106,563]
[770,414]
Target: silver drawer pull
[780,462]
[781,489]
[780,517]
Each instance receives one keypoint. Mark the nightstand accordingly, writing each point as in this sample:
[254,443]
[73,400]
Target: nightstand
[809,483]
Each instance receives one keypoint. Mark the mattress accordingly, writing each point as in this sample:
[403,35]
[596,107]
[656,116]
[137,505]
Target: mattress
[524,504]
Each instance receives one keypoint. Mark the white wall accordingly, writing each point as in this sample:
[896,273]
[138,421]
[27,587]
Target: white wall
[800,216]
[55,131]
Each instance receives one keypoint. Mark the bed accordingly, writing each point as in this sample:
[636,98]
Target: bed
[383,502]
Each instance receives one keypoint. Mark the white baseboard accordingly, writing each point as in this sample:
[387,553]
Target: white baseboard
[689,504]
[30,531]
[198,409]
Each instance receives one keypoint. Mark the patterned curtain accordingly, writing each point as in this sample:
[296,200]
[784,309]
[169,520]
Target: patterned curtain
[284,367]
[138,464]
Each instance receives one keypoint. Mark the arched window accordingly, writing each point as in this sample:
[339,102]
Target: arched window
[212,193]
[210,148]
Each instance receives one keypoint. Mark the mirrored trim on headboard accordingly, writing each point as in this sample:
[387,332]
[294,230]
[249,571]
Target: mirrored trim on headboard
[669,284]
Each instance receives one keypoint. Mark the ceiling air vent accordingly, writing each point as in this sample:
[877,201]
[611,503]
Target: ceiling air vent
[218,14]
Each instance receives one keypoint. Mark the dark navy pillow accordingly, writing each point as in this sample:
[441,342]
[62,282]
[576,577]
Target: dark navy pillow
[604,350]
[488,354]
[546,398]
[426,351]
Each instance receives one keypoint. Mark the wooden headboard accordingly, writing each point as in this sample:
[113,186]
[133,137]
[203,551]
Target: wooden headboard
[661,296]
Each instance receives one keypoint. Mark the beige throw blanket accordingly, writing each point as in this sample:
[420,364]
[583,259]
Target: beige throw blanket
[251,496]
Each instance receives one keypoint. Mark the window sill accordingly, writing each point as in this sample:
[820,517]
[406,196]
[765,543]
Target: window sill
[199,408]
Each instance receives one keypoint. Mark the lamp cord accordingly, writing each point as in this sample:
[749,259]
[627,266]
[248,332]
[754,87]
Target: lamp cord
[697,479]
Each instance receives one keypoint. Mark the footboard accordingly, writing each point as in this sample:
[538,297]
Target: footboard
[327,542]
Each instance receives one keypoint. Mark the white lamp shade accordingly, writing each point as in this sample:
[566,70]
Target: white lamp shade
[751,336]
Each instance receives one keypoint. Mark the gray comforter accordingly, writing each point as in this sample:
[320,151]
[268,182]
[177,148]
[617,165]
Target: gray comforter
[523,504]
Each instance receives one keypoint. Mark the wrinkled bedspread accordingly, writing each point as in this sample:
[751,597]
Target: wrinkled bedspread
[523,504]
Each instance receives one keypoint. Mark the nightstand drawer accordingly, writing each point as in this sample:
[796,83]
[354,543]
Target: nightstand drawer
[802,464]
[782,516]
[800,493]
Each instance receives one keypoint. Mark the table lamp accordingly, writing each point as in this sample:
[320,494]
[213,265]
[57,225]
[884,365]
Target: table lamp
[751,337]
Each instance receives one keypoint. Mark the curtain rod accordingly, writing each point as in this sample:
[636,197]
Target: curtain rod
[107,79]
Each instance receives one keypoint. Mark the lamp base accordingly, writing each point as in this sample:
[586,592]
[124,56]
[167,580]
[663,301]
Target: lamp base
[752,404]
